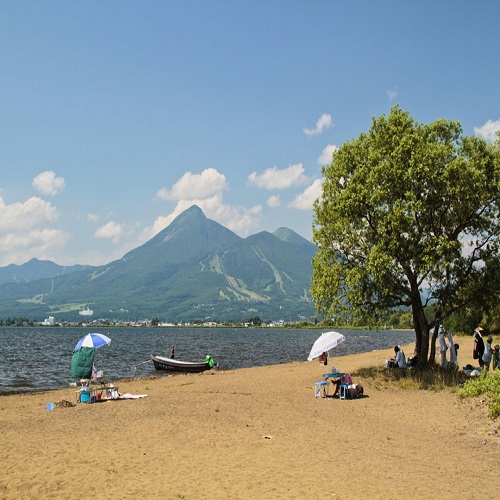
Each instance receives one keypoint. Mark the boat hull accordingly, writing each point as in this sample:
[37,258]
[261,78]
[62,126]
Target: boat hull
[175,365]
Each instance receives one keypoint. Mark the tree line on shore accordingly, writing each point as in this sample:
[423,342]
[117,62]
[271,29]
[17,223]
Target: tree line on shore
[462,322]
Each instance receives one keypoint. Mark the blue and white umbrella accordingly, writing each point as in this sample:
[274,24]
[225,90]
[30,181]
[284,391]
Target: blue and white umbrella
[94,340]
[327,341]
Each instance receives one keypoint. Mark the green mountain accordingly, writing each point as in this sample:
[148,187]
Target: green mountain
[194,269]
[34,270]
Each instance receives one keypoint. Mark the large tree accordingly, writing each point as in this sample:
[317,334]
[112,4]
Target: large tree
[408,217]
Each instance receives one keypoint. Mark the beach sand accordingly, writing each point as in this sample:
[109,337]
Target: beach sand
[252,433]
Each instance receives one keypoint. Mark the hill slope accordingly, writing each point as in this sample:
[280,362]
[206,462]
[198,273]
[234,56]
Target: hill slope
[193,269]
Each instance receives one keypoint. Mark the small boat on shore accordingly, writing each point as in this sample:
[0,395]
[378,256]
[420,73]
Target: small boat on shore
[175,365]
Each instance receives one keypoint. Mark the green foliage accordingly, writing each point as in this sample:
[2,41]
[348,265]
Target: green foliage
[400,319]
[397,204]
[254,321]
[16,322]
[487,384]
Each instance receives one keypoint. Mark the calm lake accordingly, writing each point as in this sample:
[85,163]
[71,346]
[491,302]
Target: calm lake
[36,359]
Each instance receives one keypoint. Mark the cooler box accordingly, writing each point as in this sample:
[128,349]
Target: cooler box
[84,396]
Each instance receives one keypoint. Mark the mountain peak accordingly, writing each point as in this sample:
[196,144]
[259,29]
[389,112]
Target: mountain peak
[285,234]
[194,268]
[194,212]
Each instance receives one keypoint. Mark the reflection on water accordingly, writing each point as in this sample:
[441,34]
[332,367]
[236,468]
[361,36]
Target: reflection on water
[34,359]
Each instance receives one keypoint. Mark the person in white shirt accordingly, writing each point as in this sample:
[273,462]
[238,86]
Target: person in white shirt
[400,359]
[442,346]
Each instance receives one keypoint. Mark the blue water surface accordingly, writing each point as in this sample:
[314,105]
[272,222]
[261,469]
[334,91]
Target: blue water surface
[36,359]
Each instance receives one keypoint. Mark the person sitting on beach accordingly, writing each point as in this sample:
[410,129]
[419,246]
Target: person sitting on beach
[355,390]
[412,360]
[209,361]
[397,362]
[345,379]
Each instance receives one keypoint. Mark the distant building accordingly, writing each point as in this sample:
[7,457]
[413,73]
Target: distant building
[86,312]
[48,321]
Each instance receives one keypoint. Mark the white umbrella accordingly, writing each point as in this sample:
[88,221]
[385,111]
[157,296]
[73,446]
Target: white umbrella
[327,341]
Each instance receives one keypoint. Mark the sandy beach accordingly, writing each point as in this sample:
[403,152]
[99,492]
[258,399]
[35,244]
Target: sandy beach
[252,433]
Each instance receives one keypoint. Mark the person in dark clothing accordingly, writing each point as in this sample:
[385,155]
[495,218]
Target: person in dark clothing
[478,346]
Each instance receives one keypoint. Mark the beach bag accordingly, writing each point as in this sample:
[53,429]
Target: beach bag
[475,354]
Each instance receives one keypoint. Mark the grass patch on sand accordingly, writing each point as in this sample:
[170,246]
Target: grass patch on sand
[436,378]
[487,384]
[428,378]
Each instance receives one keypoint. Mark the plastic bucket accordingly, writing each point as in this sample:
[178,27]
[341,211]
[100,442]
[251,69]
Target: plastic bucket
[50,406]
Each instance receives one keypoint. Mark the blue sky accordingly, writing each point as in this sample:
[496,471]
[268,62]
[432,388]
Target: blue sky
[116,116]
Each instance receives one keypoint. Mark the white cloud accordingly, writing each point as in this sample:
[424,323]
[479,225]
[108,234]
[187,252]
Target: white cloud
[23,234]
[327,154]
[391,94]
[274,201]
[47,183]
[305,200]
[324,121]
[207,191]
[111,230]
[31,213]
[488,130]
[91,217]
[20,247]
[274,178]
[241,220]
[195,186]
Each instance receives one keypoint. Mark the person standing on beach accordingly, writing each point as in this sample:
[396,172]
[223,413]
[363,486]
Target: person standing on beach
[453,349]
[496,358]
[488,353]
[323,359]
[442,346]
[456,353]
[478,346]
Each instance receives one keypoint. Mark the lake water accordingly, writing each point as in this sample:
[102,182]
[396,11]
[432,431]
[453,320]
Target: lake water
[36,359]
